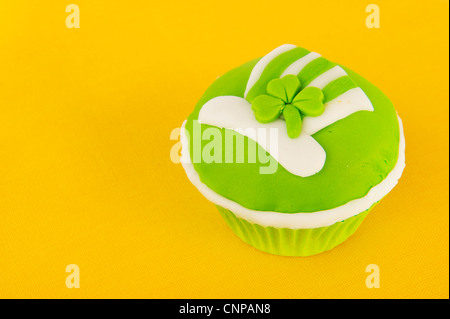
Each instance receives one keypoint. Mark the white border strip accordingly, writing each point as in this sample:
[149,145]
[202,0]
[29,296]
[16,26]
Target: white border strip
[327,77]
[298,65]
[261,65]
[347,103]
[299,220]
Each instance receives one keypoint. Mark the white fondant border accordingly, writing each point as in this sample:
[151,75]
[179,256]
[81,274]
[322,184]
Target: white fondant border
[261,65]
[299,220]
[302,156]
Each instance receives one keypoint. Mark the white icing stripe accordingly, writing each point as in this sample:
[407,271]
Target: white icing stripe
[261,65]
[302,156]
[327,77]
[301,220]
[298,65]
[352,101]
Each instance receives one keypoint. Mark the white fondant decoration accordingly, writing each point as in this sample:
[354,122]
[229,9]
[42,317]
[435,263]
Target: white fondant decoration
[352,101]
[301,220]
[263,62]
[298,65]
[327,77]
[302,156]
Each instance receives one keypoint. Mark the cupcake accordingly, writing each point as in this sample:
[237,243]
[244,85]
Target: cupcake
[294,150]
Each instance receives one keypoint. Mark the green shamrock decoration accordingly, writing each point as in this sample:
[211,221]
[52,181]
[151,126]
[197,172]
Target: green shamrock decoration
[285,97]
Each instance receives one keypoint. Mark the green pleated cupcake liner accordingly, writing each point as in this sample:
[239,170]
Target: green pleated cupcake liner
[292,242]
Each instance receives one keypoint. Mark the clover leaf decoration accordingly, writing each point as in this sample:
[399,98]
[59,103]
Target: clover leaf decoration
[284,97]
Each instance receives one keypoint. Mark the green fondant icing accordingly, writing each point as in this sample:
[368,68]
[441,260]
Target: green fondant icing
[337,87]
[274,70]
[293,121]
[361,150]
[309,101]
[267,108]
[285,88]
[314,69]
[287,99]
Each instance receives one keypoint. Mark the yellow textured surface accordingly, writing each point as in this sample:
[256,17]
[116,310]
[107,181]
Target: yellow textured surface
[85,172]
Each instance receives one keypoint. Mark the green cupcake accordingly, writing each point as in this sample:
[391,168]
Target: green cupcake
[294,150]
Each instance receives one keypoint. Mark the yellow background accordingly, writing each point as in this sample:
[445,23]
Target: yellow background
[85,172]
